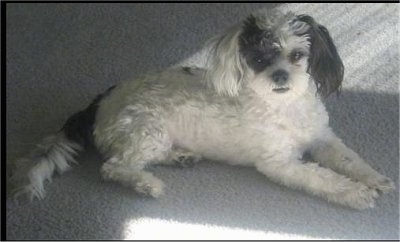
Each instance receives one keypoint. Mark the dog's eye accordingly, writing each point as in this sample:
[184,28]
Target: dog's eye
[260,60]
[296,56]
[258,63]
[265,58]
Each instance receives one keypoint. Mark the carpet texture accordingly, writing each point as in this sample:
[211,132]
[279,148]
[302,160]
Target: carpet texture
[60,56]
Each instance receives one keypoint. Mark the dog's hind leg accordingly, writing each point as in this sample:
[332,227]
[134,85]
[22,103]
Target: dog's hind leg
[130,153]
[140,180]
[131,172]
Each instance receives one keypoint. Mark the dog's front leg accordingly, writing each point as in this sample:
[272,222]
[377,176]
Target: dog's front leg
[319,181]
[331,152]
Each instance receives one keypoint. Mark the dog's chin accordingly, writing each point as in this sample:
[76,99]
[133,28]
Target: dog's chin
[269,91]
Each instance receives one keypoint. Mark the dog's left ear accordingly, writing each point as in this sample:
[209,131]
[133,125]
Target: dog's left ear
[325,65]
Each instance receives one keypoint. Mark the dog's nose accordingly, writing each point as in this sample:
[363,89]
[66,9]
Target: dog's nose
[280,77]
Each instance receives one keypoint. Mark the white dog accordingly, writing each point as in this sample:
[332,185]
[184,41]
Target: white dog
[258,103]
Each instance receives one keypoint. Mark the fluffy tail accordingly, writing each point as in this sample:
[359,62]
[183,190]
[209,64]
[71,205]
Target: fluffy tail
[55,153]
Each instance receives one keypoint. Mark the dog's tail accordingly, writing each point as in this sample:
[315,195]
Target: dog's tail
[55,153]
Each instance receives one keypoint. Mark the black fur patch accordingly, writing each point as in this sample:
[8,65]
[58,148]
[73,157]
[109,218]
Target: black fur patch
[325,64]
[79,127]
[257,46]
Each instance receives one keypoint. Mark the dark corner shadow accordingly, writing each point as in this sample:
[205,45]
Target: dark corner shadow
[227,196]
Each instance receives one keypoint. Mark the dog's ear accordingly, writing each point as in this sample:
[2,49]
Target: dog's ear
[325,65]
[225,72]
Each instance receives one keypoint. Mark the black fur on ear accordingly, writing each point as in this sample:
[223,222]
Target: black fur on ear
[325,65]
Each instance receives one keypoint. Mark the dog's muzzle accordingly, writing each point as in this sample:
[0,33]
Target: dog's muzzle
[280,78]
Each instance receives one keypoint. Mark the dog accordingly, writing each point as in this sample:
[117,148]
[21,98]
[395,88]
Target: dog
[258,102]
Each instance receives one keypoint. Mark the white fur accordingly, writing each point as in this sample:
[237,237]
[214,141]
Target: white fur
[143,122]
[227,112]
[54,153]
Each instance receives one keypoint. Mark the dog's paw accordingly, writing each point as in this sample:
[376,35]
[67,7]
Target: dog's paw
[362,199]
[380,183]
[358,196]
[141,181]
[186,160]
[151,186]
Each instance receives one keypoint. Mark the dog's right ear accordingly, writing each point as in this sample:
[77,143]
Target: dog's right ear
[225,72]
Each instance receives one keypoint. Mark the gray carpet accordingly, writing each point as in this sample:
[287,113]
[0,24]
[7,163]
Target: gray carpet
[60,56]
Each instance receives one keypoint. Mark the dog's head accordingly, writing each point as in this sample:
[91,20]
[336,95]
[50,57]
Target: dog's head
[276,55]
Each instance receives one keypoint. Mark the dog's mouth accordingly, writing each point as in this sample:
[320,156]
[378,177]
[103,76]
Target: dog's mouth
[281,89]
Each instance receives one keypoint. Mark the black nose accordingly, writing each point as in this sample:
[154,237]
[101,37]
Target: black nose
[280,77]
